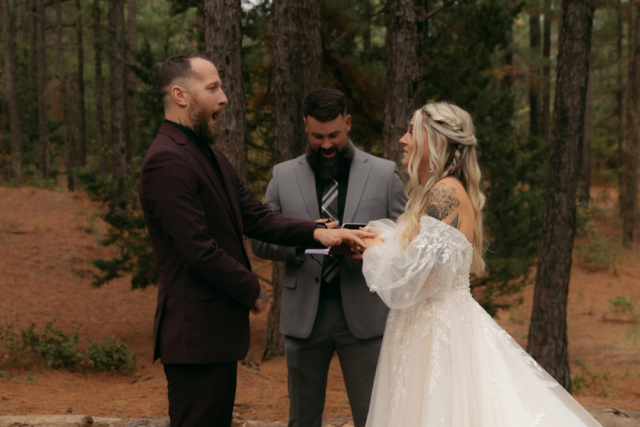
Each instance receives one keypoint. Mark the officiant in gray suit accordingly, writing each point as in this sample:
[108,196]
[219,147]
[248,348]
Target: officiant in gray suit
[326,306]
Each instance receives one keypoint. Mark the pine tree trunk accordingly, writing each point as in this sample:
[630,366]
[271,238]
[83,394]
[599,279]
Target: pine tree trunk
[534,70]
[66,121]
[223,35]
[630,160]
[620,99]
[131,104]
[275,340]
[9,40]
[507,80]
[297,56]
[366,37]
[546,72]
[97,46]
[117,88]
[584,189]
[41,63]
[81,150]
[548,329]
[403,75]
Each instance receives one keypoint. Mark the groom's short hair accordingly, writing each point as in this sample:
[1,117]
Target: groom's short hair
[325,104]
[175,67]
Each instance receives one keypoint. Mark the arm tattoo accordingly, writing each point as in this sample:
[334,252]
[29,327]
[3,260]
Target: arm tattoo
[441,202]
[263,297]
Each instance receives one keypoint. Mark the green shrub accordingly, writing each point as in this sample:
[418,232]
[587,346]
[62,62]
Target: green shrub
[111,355]
[56,347]
[598,253]
[59,349]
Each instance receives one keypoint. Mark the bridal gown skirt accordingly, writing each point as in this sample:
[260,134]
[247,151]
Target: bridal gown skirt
[446,363]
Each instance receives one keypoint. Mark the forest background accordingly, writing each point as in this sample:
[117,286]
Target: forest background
[78,106]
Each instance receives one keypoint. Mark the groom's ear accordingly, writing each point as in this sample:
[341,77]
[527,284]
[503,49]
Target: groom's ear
[180,96]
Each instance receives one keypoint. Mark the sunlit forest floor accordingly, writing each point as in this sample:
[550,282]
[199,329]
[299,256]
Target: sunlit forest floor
[47,239]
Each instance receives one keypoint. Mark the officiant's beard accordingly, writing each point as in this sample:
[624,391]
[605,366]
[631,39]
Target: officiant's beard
[328,168]
[200,122]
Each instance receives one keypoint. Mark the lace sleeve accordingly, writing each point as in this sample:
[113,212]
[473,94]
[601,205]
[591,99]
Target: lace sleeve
[404,277]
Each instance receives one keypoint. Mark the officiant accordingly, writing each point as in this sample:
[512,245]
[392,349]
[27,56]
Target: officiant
[326,306]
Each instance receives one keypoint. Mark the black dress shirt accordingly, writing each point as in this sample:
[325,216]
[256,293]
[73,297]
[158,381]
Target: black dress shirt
[204,148]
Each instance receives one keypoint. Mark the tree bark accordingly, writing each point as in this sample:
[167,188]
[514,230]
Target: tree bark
[366,36]
[548,328]
[275,340]
[81,150]
[507,80]
[534,70]
[223,36]
[584,189]
[545,114]
[630,160]
[9,41]
[620,99]
[66,120]
[41,71]
[97,45]
[403,75]
[297,56]
[131,104]
[117,88]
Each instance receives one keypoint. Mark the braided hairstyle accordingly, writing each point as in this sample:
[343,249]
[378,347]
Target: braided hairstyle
[452,153]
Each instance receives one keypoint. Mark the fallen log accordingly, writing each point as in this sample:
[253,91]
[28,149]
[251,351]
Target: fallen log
[608,417]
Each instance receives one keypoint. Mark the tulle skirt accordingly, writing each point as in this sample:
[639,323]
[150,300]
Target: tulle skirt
[445,362]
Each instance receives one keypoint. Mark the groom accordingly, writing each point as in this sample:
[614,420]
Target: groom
[326,305]
[197,210]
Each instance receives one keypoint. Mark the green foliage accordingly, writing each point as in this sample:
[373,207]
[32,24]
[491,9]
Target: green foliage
[587,379]
[127,231]
[59,349]
[597,253]
[111,355]
[626,307]
[56,347]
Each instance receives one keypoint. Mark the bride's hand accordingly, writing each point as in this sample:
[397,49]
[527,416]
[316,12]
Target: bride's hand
[372,241]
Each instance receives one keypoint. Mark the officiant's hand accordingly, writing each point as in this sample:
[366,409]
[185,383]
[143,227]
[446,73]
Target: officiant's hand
[261,303]
[335,237]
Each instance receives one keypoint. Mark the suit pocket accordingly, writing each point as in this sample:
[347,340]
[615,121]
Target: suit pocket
[289,281]
[198,292]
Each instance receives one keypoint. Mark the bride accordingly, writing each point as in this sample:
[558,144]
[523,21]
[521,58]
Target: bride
[444,361]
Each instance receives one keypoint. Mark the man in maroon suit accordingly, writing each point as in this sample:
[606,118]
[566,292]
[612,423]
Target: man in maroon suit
[197,210]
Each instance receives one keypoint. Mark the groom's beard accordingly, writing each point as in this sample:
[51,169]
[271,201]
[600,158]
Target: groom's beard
[328,168]
[200,123]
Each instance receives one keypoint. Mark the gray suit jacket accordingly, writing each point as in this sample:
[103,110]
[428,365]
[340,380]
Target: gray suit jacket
[375,192]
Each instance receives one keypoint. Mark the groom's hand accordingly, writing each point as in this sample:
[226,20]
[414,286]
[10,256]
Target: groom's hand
[330,238]
[261,303]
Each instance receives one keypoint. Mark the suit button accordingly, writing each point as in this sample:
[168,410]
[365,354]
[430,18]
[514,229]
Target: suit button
[317,279]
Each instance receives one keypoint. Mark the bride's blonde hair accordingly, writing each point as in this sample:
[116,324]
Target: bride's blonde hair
[452,152]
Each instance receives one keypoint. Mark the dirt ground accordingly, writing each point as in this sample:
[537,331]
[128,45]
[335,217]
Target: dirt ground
[47,239]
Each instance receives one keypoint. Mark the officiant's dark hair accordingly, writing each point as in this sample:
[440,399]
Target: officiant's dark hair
[174,67]
[325,104]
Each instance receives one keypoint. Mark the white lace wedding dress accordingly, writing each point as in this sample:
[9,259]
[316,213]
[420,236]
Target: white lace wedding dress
[444,360]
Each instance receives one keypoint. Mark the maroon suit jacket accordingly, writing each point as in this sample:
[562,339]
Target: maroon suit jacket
[206,284]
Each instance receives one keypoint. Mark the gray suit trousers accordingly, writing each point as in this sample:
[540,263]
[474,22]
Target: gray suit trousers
[308,363]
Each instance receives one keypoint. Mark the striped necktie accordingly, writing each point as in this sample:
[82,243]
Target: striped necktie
[330,210]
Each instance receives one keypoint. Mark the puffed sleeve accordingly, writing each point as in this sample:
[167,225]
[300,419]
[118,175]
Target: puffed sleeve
[404,277]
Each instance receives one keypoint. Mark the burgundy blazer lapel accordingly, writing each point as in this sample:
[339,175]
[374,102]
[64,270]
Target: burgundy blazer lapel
[182,139]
